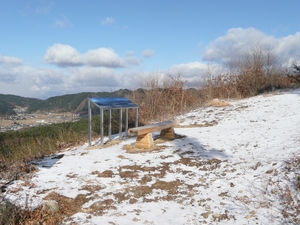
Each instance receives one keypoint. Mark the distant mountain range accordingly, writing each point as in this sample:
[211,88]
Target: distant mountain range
[76,103]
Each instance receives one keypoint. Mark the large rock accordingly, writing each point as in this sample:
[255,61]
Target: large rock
[8,212]
[50,206]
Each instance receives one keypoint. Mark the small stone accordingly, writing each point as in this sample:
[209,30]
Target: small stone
[50,206]
[215,216]
[205,215]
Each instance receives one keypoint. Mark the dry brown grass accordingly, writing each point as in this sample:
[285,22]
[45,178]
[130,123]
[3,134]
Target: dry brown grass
[254,73]
[217,103]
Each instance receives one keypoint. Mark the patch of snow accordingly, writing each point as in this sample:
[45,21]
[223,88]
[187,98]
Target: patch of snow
[221,174]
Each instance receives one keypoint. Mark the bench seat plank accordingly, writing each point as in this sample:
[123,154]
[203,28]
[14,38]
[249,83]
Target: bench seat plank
[152,128]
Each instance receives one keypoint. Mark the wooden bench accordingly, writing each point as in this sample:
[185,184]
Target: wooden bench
[144,134]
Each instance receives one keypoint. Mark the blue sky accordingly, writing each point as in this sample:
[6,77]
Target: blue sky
[50,48]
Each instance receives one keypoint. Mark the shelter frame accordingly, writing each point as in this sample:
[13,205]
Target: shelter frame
[109,104]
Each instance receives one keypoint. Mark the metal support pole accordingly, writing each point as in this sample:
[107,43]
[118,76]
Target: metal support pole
[109,125]
[101,125]
[120,124]
[90,122]
[126,122]
[136,117]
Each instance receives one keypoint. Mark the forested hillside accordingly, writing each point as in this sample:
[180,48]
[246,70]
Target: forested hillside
[9,102]
[76,103]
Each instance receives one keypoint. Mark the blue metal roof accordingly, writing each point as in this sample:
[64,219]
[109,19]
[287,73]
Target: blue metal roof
[113,103]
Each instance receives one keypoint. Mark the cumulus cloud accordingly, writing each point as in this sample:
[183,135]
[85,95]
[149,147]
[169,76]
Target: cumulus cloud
[9,67]
[108,21]
[148,53]
[47,77]
[7,76]
[50,82]
[91,76]
[67,56]
[192,72]
[99,69]
[189,69]
[17,78]
[235,43]
[238,41]
[8,60]
[288,48]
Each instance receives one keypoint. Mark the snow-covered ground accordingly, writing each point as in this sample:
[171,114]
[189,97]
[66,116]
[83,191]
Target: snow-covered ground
[234,165]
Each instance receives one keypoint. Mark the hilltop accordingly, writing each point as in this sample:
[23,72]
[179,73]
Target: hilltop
[234,164]
[75,103]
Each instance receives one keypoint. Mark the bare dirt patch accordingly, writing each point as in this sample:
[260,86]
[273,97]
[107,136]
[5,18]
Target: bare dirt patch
[68,206]
[98,208]
[106,173]
[92,188]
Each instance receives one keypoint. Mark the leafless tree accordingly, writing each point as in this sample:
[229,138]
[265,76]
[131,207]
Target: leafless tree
[295,75]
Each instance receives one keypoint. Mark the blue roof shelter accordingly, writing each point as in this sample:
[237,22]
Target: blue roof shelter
[111,104]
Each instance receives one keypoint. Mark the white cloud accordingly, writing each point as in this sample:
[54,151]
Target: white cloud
[44,6]
[235,43]
[97,73]
[105,57]
[238,41]
[28,81]
[92,76]
[192,72]
[148,53]
[108,21]
[7,76]
[10,60]
[63,55]
[9,67]
[188,69]
[103,69]
[67,56]
[39,89]
[288,48]
[62,22]
[131,59]
[47,77]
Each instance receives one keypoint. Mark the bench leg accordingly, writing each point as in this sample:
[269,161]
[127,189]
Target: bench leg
[167,133]
[144,141]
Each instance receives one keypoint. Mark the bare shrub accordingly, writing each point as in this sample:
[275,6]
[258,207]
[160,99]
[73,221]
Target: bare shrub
[256,72]
[162,97]
[294,74]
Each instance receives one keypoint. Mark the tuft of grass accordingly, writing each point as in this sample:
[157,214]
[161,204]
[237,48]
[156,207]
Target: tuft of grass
[217,103]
